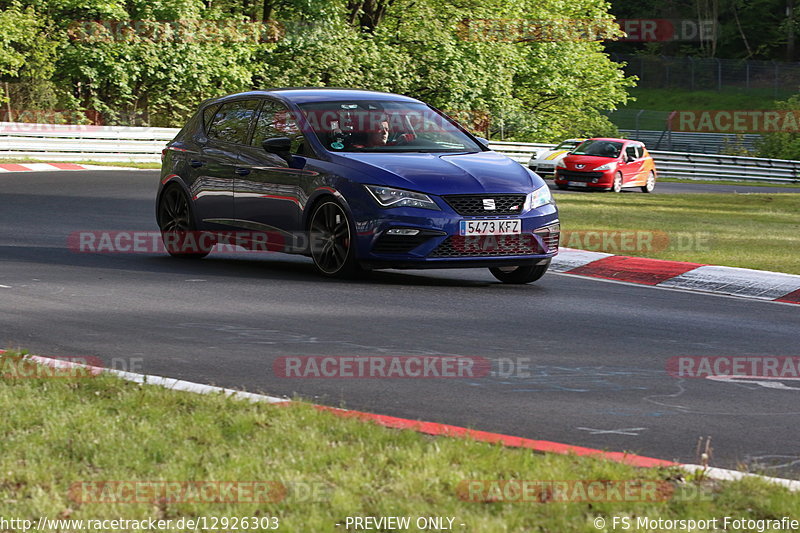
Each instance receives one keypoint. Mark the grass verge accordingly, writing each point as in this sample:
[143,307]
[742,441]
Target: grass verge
[760,230]
[57,432]
[102,163]
[671,99]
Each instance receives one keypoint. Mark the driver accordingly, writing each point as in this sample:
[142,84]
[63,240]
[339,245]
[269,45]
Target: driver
[377,134]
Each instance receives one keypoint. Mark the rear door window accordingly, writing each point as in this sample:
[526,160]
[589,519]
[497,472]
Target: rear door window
[631,153]
[232,121]
[208,117]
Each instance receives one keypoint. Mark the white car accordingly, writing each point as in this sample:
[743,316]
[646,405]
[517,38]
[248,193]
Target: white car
[544,162]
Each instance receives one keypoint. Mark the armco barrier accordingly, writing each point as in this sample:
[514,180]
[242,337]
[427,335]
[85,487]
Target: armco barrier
[59,142]
[690,165]
[64,142]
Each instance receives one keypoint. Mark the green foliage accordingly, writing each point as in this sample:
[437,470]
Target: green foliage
[156,74]
[27,50]
[782,145]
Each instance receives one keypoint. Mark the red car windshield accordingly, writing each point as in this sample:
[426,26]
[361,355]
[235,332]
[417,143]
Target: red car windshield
[384,126]
[599,148]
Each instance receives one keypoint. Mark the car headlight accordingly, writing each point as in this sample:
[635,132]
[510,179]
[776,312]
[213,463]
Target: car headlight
[607,166]
[538,198]
[389,197]
[561,164]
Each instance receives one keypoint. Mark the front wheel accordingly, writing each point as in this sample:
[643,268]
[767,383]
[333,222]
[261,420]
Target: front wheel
[519,274]
[332,246]
[651,183]
[561,186]
[617,185]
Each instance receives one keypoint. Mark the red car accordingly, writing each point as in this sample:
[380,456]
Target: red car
[609,164]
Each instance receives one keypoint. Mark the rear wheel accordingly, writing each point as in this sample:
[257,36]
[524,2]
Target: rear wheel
[519,274]
[617,185]
[177,227]
[651,183]
[332,247]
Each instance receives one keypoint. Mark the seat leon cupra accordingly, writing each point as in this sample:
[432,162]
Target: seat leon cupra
[357,180]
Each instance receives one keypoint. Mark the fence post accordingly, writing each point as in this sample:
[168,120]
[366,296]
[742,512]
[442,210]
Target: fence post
[775,79]
[747,81]
[719,74]
[637,122]
[641,68]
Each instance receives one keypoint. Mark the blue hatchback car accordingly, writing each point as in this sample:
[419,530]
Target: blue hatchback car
[357,180]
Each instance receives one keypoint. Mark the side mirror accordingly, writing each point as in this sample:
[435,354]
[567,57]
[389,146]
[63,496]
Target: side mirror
[484,142]
[280,146]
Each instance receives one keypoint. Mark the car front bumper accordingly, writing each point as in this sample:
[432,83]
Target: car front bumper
[438,243]
[592,179]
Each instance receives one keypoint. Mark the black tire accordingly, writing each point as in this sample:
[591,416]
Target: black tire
[181,238]
[651,183]
[332,247]
[617,185]
[561,186]
[520,274]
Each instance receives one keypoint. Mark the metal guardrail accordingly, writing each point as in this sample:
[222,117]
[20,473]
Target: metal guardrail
[65,142]
[137,144]
[693,142]
[688,165]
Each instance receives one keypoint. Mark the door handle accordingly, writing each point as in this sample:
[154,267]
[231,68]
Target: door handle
[242,171]
[196,163]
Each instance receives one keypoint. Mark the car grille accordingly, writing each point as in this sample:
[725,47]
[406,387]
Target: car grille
[571,175]
[488,246]
[398,244]
[550,240]
[472,204]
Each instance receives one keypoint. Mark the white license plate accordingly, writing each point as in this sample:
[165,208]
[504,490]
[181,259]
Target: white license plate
[576,183]
[510,226]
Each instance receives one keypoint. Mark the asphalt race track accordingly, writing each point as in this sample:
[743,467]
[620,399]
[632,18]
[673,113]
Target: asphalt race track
[596,350]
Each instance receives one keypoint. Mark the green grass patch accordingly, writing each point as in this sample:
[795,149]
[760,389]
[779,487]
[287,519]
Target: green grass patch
[63,431]
[675,99]
[102,163]
[760,231]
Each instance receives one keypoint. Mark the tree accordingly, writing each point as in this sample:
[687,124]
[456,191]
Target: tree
[782,144]
[153,61]
[27,53]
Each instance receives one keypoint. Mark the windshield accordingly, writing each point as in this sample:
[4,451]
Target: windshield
[599,148]
[384,126]
[567,145]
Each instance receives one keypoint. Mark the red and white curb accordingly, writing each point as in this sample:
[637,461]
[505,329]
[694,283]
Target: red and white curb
[49,167]
[429,428]
[743,282]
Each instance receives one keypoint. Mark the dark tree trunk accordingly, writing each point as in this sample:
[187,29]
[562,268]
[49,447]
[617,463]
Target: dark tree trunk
[368,14]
